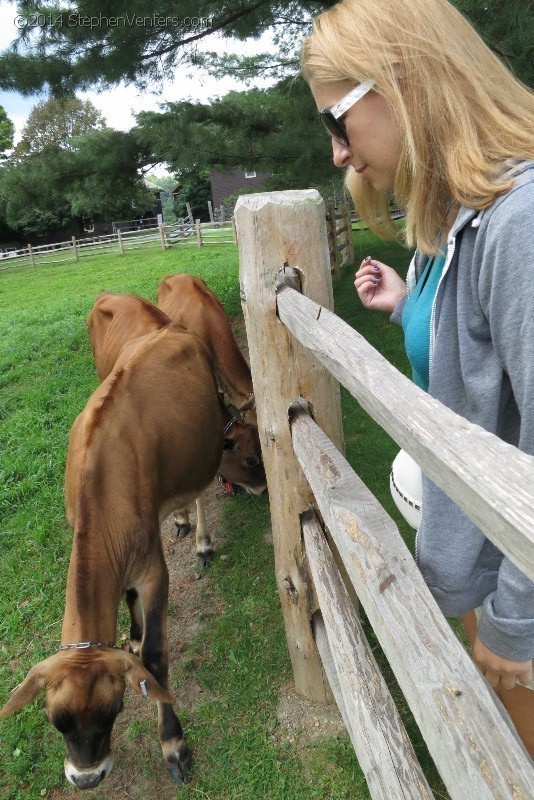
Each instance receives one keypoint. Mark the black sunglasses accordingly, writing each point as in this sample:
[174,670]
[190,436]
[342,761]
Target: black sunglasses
[330,117]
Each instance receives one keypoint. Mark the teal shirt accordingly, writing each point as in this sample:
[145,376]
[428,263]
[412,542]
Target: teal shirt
[416,320]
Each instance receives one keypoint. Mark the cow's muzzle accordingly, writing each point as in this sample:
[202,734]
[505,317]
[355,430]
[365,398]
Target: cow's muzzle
[88,778]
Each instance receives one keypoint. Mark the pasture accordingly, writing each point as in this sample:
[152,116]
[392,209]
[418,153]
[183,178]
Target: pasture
[236,656]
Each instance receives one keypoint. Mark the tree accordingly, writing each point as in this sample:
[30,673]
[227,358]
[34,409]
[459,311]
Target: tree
[104,176]
[69,169]
[32,196]
[7,132]
[270,130]
[64,49]
[195,189]
[99,179]
[507,26]
[54,123]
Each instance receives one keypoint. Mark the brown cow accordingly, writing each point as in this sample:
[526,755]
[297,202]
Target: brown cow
[188,301]
[149,439]
[113,321]
[116,319]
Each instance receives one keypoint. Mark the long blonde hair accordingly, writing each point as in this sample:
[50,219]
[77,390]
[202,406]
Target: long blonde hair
[461,113]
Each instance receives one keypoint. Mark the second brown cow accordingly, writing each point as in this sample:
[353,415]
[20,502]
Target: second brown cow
[116,319]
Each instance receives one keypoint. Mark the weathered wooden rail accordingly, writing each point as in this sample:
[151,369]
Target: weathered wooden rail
[323,515]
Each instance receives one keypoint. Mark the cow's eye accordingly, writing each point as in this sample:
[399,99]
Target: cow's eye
[252,461]
[63,721]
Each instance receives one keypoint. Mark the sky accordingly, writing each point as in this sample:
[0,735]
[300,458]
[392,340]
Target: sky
[118,105]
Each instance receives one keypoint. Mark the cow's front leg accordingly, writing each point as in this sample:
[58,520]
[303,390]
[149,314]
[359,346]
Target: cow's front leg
[154,655]
[203,538]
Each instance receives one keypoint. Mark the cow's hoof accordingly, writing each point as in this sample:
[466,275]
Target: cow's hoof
[135,647]
[182,530]
[180,765]
[204,559]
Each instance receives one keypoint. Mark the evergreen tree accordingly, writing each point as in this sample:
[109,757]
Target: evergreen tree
[268,130]
[102,44]
[195,189]
[7,132]
[96,179]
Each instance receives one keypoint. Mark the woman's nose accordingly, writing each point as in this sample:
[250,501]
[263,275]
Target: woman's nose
[341,154]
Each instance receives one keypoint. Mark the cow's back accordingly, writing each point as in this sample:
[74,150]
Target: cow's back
[114,320]
[187,300]
[151,434]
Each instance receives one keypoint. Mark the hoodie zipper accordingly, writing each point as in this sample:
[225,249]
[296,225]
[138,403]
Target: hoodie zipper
[451,246]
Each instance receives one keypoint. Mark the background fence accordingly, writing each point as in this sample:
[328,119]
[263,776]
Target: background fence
[339,232]
[162,236]
[332,538]
[129,235]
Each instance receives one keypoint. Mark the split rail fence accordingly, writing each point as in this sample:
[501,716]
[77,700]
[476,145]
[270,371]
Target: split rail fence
[182,234]
[332,538]
[339,231]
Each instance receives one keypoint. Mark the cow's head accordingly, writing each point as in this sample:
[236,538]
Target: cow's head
[83,694]
[241,461]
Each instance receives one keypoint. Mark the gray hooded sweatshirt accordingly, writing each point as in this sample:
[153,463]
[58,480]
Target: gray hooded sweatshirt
[482,367]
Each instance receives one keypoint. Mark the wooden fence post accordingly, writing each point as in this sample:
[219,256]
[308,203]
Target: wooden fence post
[278,229]
[234,231]
[75,248]
[345,222]
[119,239]
[30,253]
[350,251]
[330,211]
[199,233]
[162,237]
[210,210]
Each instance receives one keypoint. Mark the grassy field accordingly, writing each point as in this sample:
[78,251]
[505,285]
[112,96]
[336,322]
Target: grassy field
[47,374]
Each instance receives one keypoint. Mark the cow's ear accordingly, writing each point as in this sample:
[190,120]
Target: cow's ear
[145,684]
[229,444]
[26,691]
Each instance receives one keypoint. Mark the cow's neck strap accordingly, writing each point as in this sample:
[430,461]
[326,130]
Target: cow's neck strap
[86,645]
[237,413]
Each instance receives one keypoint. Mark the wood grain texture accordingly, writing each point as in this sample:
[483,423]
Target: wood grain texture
[382,746]
[277,231]
[489,479]
[476,753]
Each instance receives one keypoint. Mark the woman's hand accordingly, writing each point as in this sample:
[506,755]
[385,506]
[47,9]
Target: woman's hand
[378,285]
[500,672]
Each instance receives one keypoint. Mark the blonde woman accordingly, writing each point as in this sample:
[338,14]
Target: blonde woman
[418,106]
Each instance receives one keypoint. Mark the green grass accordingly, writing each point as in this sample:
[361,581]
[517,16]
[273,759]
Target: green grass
[241,660]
